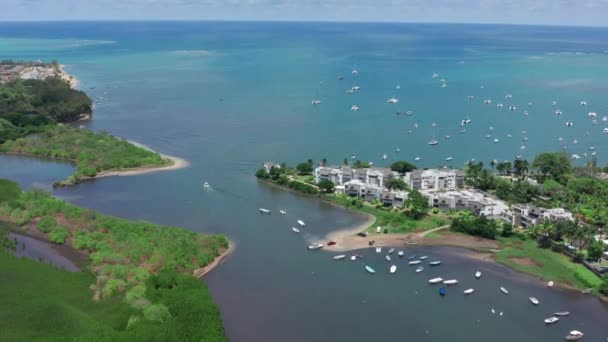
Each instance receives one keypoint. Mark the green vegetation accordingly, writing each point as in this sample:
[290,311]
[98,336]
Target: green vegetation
[417,204]
[35,103]
[92,152]
[287,177]
[525,256]
[395,220]
[476,226]
[396,184]
[327,186]
[140,277]
[554,165]
[403,166]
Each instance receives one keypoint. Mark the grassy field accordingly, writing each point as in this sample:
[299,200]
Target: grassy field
[395,220]
[92,152]
[526,256]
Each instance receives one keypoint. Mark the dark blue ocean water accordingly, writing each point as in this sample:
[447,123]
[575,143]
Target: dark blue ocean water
[228,96]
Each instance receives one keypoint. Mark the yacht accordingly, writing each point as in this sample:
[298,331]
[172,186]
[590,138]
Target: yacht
[282,212]
[316,102]
[301,223]
[433,142]
[604,118]
[355,88]
[448,159]
[574,335]
[534,300]
[264,211]
[443,85]
[526,113]
[392,100]
[509,96]
[355,72]
[495,141]
[558,112]
[499,105]
[206,185]
[554,103]
[605,131]
[350,91]
[569,124]
[487,101]
[435,75]
[551,320]
[583,103]
[384,156]
[418,158]
[354,108]
[397,150]
[592,114]
[512,108]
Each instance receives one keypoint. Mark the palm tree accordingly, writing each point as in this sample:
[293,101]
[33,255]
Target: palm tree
[492,164]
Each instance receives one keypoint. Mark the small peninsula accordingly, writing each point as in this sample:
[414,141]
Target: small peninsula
[37,106]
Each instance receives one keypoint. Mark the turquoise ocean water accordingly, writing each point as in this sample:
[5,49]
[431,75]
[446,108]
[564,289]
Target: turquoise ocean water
[228,96]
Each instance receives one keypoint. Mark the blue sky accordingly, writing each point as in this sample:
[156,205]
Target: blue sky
[561,12]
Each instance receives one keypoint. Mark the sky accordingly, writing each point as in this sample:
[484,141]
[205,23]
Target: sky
[545,12]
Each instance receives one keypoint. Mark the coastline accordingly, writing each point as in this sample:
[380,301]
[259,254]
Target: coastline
[73,81]
[201,272]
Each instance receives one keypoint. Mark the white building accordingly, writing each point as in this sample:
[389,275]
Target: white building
[435,179]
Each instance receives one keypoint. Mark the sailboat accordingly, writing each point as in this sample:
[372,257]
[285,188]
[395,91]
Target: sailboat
[433,142]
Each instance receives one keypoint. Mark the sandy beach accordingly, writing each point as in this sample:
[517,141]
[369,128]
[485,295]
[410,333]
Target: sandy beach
[200,272]
[73,81]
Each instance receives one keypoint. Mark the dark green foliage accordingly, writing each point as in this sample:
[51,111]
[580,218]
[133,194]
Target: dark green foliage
[58,235]
[588,197]
[9,191]
[304,168]
[302,187]
[397,184]
[521,168]
[262,174]
[507,229]
[604,286]
[41,102]
[417,204]
[326,185]
[361,164]
[476,226]
[402,166]
[504,168]
[595,250]
[554,165]
[515,191]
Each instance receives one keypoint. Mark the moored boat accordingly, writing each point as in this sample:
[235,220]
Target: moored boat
[387,257]
[477,274]
[412,257]
[369,269]
[468,291]
[424,257]
[295,229]
[393,269]
[419,269]
[442,291]
[435,280]
[301,223]
[435,263]
[264,211]
[353,257]
[391,251]
[378,249]
[339,257]
[450,282]
[503,290]
[550,284]
[315,246]
[400,254]
[574,335]
[534,300]
[551,320]
[562,313]
[283,212]
[414,262]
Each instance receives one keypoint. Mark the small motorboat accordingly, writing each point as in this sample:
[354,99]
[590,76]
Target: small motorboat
[264,211]
[424,257]
[393,269]
[435,263]
[353,257]
[315,246]
[283,212]
[411,257]
[477,274]
[551,320]
[387,257]
[378,249]
[296,230]
[339,257]
[419,269]
[331,243]
[369,269]
[450,282]
[435,280]
[301,223]
[561,313]
[586,291]
[442,291]
[503,290]
[400,254]
[534,300]
[414,262]
[574,335]
[362,234]
[206,185]
[550,284]
[391,251]
[468,291]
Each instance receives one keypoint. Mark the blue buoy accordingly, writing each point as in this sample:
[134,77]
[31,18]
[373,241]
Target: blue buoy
[442,291]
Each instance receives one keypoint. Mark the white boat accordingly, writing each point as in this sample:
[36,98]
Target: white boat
[414,262]
[316,102]
[495,141]
[354,108]
[339,257]
[448,159]
[561,313]
[592,114]
[551,320]
[574,335]
[450,282]
[315,246]
[503,290]
[443,85]
[435,75]
[264,211]
[550,284]
[378,249]
[392,100]
[283,212]
[418,158]
[419,269]
[393,269]
[477,274]
[295,229]
[206,185]
[384,156]
[82,126]
[301,223]
[424,257]
[353,257]
[433,142]
[355,72]
[369,269]
[388,258]
[468,291]
[400,254]
[391,251]
[493,310]
[435,280]
[583,103]
[435,263]
[534,300]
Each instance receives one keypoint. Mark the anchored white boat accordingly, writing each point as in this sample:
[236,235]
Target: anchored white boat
[551,320]
[315,246]
[400,254]
[388,258]
[295,229]
[378,249]
[419,269]
[424,257]
[435,280]
[353,257]
[393,269]
[435,263]
[369,269]
[339,257]
[316,102]
[354,108]
[574,335]
[477,274]
[561,313]
[503,290]
[468,291]
[534,300]
[550,284]
[392,100]
[264,211]
[301,223]
[450,282]
[283,212]
[414,262]
[391,251]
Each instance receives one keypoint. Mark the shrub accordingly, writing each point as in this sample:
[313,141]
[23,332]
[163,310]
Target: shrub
[157,313]
[46,224]
[58,235]
[112,287]
[136,293]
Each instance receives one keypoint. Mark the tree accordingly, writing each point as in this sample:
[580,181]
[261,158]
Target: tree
[345,161]
[555,165]
[521,168]
[326,185]
[324,162]
[304,168]
[361,165]
[261,173]
[396,183]
[493,164]
[604,286]
[402,166]
[504,168]
[595,250]
[507,229]
[417,204]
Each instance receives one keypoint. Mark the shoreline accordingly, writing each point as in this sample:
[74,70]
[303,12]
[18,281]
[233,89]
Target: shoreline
[72,81]
[201,272]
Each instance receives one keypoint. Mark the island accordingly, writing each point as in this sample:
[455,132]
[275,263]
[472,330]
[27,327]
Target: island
[38,106]
[137,280]
[543,217]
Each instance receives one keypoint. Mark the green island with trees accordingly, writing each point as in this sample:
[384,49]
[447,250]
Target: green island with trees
[550,250]
[137,285]
[33,118]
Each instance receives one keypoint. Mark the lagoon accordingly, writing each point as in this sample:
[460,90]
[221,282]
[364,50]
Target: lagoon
[228,96]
